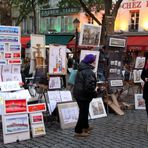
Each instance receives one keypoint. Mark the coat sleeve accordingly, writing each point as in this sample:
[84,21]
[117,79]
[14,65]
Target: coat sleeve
[143,74]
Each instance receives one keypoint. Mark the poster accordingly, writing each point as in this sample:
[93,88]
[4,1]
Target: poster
[90,35]
[95,53]
[57,60]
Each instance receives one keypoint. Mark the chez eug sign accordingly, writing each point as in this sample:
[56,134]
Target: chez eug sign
[134,4]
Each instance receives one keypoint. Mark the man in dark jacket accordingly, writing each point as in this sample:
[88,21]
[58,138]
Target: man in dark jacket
[84,92]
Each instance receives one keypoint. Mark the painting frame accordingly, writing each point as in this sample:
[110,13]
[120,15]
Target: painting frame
[14,120]
[57,60]
[140,62]
[36,118]
[68,114]
[90,35]
[97,109]
[15,106]
[117,42]
[137,75]
[40,107]
[54,82]
[139,101]
[95,53]
[40,128]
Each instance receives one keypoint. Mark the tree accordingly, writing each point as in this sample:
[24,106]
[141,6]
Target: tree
[25,7]
[111,10]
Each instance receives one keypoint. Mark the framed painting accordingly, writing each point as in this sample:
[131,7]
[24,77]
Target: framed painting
[97,109]
[38,130]
[57,60]
[90,35]
[15,106]
[139,101]
[54,83]
[36,118]
[65,96]
[137,76]
[16,123]
[140,62]
[7,55]
[40,107]
[95,53]
[2,47]
[6,69]
[16,69]
[115,83]
[68,114]
[116,42]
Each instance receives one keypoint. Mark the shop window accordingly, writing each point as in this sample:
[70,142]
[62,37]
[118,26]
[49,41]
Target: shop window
[134,21]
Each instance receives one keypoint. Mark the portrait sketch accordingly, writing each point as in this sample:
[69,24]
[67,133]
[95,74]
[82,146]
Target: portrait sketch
[137,76]
[57,60]
[95,53]
[97,109]
[139,101]
[140,61]
[90,35]
[54,83]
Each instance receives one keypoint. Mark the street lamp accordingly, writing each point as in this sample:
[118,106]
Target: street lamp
[76,24]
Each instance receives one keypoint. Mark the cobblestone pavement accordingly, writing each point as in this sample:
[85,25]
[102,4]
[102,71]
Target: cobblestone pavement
[113,131]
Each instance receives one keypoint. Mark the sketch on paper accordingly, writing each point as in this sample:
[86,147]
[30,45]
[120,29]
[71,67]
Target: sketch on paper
[54,83]
[16,123]
[97,108]
[90,35]
[137,76]
[57,60]
[140,62]
[65,96]
[139,101]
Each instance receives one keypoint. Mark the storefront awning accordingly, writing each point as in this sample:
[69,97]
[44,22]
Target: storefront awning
[59,39]
[137,43]
[24,41]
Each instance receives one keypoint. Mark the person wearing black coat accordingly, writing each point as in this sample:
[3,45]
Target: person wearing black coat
[144,77]
[84,92]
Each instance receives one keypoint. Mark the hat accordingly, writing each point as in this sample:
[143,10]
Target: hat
[90,58]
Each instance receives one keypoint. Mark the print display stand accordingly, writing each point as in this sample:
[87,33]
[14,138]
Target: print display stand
[116,46]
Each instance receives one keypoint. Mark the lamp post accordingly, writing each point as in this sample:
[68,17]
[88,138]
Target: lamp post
[76,24]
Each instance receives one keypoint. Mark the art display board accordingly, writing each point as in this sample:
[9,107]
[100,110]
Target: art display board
[55,97]
[139,101]
[68,114]
[15,128]
[57,60]
[95,53]
[10,52]
[37,124]
[97,109]
[90,35]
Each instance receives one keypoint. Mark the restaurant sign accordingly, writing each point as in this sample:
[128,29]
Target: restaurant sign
[56,12]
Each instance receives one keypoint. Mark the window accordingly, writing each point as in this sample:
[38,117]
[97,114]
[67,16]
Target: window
[134,21]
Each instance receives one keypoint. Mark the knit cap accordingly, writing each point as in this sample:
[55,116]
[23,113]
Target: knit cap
[88,59]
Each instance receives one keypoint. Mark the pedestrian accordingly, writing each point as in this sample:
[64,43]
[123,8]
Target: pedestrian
[84,92]
[144,77]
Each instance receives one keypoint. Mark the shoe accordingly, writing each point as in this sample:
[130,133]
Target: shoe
[83,134]
[88,130]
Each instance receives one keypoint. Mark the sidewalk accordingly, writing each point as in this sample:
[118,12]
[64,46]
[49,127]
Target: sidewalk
[113,131]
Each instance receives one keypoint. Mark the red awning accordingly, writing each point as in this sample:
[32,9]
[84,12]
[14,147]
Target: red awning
[24,41]
[71,45]
[137,43]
